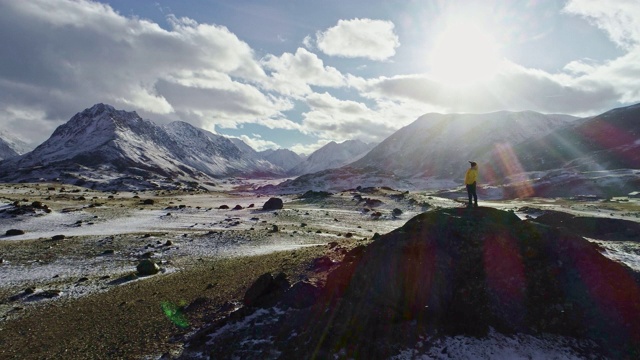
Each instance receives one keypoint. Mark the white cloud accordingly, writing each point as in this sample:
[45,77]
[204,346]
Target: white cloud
[308,149]
[257,143]
[619,19]
[291,74]
[339,120]
[366,38]
[514,88]
[62,56]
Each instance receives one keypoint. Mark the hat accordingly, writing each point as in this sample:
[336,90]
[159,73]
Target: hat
[473,163]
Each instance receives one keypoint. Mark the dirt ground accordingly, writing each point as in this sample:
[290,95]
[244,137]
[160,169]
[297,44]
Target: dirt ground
[77,296]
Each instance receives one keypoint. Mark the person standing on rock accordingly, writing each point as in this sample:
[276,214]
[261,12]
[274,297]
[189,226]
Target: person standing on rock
[470,179]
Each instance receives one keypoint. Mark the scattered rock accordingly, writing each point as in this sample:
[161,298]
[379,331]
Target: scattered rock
[348,235]
[223,207]
[147,267]
[274,228]
[14,232]
[372,202]
[396,212]
[237,207]
[273,204]
[251,206]
[315,195]
[108,252]
[57,237]
[266,291]
[168,243]
[37,205]
[48,294]
[322,263]
[301,295]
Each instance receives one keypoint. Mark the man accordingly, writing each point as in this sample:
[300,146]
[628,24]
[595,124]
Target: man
[470,179]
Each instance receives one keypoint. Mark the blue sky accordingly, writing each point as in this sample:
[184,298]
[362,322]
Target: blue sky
[298,74]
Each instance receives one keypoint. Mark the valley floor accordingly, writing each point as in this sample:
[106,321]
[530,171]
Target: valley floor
[77,295]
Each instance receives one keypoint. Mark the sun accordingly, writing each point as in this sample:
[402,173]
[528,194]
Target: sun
[464,54]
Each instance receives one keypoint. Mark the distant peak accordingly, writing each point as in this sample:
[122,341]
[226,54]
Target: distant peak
[99,109]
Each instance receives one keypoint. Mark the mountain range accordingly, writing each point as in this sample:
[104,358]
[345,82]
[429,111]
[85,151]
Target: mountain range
[108,148]
[551,154]
[519,153]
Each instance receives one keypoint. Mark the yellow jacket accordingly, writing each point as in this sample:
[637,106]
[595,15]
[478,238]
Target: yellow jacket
[471,176]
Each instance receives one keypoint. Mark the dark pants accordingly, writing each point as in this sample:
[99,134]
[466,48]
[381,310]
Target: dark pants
[471,191]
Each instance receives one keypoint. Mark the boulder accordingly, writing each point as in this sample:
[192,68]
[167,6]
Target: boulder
[147,267]
[14,232]
[148,202]
[237,207]
[266,291]
[57,237]
[301,295]
[273,204]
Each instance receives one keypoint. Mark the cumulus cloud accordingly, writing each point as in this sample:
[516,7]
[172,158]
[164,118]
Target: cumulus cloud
[62,56]
[366,38]
[292,74]
[257,143]
[339,120]
[619,19]
[514,88]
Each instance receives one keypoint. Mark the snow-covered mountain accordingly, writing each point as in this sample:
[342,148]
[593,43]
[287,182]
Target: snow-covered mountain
[115,148]
[11,146]
[331,156]
[217,155]
[284,158]
[432,152]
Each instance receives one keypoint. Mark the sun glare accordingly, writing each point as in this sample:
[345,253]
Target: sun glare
[464,54]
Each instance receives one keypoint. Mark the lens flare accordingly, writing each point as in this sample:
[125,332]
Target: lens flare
[512,168]
[174,313]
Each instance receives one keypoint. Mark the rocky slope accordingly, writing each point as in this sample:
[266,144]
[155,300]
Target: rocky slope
[608,141]
[448,272]
[11,146]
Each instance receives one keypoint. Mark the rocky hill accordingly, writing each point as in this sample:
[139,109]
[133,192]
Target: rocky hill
[445,273]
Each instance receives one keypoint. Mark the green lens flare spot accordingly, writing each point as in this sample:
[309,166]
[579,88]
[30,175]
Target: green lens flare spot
[173,313]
